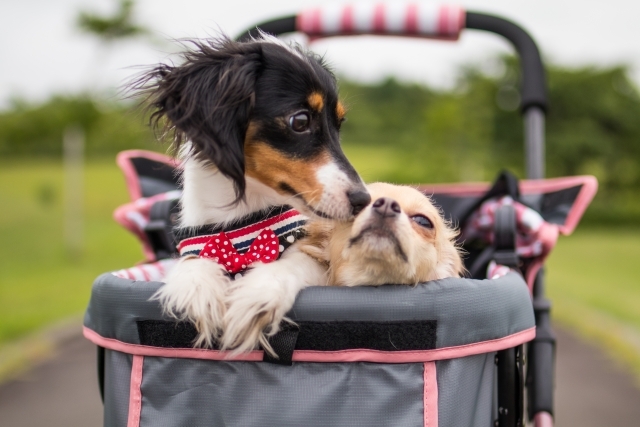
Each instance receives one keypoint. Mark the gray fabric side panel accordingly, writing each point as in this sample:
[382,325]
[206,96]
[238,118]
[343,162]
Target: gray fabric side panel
[465,391]
[117,380]
[493,308]
[472,314]
[116,304]
[181,392]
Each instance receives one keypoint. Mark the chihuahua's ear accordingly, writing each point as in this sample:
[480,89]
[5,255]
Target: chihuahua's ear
[449,258]
[208,100]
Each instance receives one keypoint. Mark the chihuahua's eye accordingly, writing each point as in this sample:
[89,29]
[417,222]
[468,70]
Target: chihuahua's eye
[422,221]
[299,122]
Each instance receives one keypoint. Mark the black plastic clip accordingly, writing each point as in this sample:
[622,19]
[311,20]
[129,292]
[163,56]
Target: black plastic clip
[505,237]
[163,217]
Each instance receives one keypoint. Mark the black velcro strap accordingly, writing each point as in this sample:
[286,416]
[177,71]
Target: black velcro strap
[283,343]
[383,336]
[318,336]
[160,333]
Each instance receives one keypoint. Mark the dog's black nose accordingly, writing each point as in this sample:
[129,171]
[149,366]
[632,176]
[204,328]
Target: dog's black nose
[358,199]
[386,207]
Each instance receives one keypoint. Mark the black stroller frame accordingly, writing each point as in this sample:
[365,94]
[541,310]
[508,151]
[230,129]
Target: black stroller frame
[540,353]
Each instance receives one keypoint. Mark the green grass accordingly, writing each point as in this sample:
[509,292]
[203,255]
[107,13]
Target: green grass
[40,281]
[594,284]
[593,276]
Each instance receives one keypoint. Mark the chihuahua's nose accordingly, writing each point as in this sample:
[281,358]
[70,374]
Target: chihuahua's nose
[386,207]
[358,199]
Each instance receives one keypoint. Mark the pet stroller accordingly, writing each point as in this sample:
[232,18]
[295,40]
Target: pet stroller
[453,352]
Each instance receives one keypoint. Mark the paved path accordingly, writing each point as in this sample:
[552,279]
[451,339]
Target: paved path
[63,392]
[591,390]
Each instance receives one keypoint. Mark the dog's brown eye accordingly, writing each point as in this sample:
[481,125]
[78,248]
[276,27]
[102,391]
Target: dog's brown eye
[299,122]
[422,221]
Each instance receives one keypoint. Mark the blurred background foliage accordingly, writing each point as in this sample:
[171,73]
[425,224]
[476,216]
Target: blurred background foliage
[408,133]
[35,131]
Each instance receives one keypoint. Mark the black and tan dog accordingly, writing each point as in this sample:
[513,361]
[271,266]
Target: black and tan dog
[257,126]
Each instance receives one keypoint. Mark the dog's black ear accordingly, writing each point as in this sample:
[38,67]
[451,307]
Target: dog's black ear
[207,100]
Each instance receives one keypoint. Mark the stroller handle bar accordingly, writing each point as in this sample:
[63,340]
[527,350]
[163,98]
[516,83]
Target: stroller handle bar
[442,22]
[415,20]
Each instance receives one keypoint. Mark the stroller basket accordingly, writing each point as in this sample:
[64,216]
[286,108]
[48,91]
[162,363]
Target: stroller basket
[368,356]
[445,353]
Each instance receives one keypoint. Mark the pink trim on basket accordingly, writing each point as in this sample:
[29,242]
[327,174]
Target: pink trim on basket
[586,195]
[587,192]
[123,160]
[120,216]
[415,355]
[356,355]
[526,185]
[180,353]
[430,395]
[135,394]
[543,419]
[548,238]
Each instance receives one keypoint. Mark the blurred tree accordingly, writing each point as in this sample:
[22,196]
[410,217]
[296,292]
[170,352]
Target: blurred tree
[120,25]
[594,125]
[35,130]
[109,29]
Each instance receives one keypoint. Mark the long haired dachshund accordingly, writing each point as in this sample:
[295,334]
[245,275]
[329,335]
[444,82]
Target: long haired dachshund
[256,125]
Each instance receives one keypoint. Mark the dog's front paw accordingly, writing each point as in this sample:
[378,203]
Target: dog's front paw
[256,305]
[195,291]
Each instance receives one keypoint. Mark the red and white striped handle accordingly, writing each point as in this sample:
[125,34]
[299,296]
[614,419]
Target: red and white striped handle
[422,19]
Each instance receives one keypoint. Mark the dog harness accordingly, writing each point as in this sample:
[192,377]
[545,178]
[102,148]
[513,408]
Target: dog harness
[260,236]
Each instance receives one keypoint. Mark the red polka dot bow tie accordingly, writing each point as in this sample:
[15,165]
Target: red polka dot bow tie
[265,248]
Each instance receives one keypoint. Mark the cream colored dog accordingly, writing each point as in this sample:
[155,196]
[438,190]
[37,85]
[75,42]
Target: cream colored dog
[400,238]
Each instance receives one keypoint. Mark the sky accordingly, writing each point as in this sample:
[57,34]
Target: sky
[43,53]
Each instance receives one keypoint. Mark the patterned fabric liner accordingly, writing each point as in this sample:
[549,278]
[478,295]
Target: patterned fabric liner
[528,226]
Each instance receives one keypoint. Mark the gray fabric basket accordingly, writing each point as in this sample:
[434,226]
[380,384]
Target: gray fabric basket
[450,381]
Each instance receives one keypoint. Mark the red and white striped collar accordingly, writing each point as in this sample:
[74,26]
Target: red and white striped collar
[286,222]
